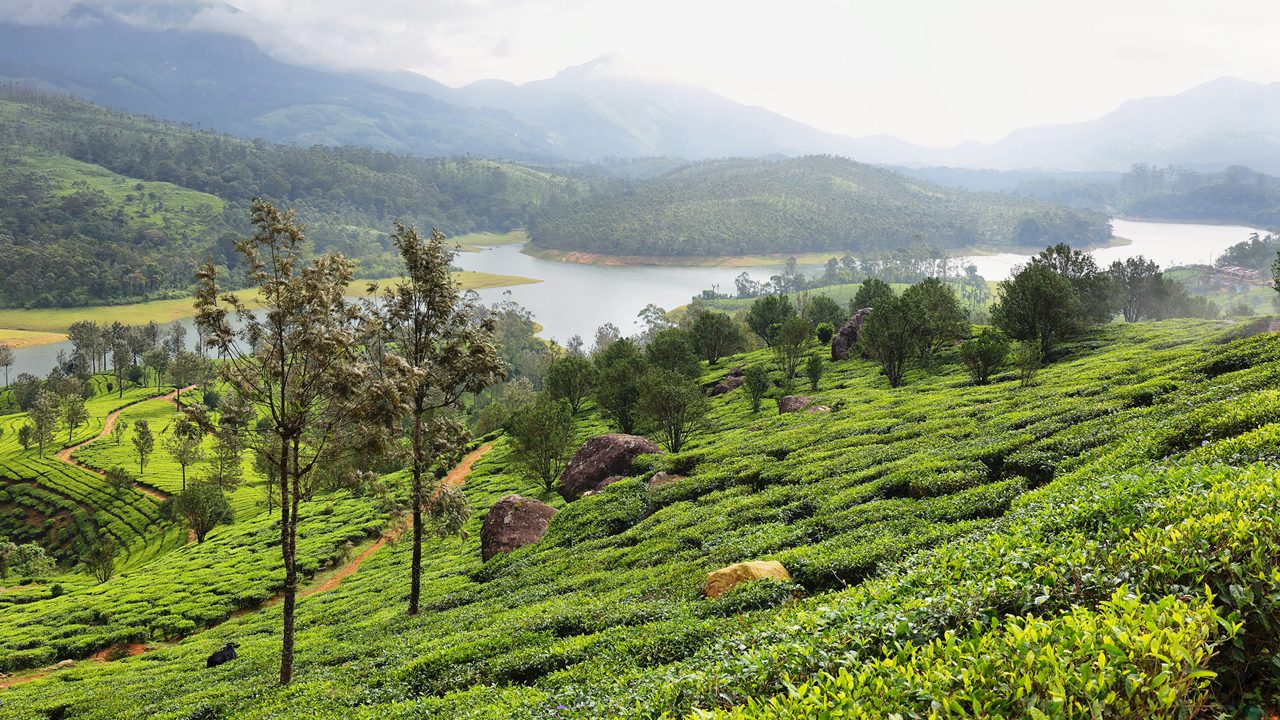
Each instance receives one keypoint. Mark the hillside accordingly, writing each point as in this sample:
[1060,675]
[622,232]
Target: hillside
[741,207]
[1036,536]
[135,204]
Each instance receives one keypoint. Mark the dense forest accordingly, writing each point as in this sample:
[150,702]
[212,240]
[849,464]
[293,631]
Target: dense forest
[132,204]
[816,203]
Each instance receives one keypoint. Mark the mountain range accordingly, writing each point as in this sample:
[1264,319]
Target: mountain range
[163,67]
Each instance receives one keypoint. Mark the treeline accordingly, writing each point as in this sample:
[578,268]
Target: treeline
[347,193]
[740,207]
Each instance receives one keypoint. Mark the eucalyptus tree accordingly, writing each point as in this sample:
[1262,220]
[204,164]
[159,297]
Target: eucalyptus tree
[301,363]
[446,343]
[6,361]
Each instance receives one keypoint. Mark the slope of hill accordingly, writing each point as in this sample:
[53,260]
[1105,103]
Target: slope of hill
[1076,546]
[135,204]
[740,207]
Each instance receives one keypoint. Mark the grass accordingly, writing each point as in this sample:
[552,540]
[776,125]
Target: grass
[29,338]
[476,241]
[929,528]
[46,325]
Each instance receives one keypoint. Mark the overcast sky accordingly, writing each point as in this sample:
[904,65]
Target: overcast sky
[934,72]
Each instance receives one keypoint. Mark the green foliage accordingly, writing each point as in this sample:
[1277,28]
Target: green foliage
[942,320]
[542,433]
[757,384]
[985,353]
[813,369]
[789,344]
[144,443]
[871,290]
[825,331]
[572,378]
[1028,358]
[620,366]
[714,335]
[672,349]
[891,335]
[767,315]
[673,406]
[796,205]
[821,309]
[1037,304]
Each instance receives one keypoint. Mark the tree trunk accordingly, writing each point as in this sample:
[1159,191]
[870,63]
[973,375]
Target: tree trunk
[288,533]
[415,570]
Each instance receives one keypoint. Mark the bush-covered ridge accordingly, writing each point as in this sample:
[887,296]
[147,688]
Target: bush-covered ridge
[1126,472]
[742,207]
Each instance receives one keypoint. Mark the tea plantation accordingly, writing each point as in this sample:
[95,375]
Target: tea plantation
[1100,543]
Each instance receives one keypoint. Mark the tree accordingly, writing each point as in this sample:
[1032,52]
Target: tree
[822,309]
[985,353]
[301,360]
[1036,304]
[25,389]
[98,556]
[30,560]
[671,349]
[1028,358]
[7,551]
[1092,286]
[1139,288]
[571,377]
[187,369]
[119,479]
[226,462]
[26,435]
[789,345]
[606,335]
[942,320]
[542,435]
[183,444]
[158,360]
[757,384]
[121,361]
[6,360]
[871,290]
[44,416]
[73,412]
[620,367]
[714,335]
[144,443]
[673,406]
[118,429]
[448,350]
[813,368]
[891,335]
[767,314]
[203,507]
[652,320]
[825,331]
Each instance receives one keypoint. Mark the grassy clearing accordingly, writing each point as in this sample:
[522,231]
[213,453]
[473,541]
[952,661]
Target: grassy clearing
[925,528]
[29,338]
[476,241]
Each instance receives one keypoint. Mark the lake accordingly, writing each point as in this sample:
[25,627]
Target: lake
[575,299]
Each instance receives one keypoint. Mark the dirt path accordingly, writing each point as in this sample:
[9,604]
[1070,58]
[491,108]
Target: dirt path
[456,477]
[107,426]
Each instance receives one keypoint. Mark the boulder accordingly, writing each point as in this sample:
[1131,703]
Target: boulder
[721,581]
[64,664]
[737,371]
[845,342]
[794,403]
[817,409]
[733,382]
[601,460]
[512,523]
[663,478]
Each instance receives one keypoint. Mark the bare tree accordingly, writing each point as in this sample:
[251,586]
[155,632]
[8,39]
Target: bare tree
[300,361]
[447,344]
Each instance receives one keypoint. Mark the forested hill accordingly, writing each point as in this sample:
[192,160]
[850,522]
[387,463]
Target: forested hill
[130,205]
[817,203]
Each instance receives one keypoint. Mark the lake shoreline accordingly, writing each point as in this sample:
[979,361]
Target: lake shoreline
[27,328]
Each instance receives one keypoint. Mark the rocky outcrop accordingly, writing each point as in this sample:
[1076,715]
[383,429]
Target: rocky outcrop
[512,523]
[599,459]
[723,580]
[729,384]
[845,342]
[737,371]
[793,403]
[663,478]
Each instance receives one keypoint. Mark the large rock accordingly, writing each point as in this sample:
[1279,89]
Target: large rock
[512,523]
[793,403]
[730,383]
[663,478]
[737,371]
[721,581]
[601,458]
[845,342]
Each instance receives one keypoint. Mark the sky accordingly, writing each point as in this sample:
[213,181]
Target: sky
[934,72]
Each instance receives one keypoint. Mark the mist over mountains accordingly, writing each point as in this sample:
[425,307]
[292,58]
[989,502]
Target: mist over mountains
[170,62]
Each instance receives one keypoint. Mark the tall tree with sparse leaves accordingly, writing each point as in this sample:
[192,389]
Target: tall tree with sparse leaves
[302,362]
[447,345]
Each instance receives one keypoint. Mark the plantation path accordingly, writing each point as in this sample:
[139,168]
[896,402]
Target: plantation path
[107,426]
[456,477]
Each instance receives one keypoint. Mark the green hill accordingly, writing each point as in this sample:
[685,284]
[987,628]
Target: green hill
[1101,542]
[132,205]
[819,203]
